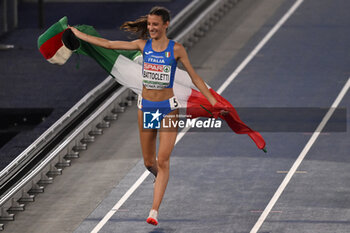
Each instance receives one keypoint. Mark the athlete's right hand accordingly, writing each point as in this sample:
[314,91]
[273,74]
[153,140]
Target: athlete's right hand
[74,30]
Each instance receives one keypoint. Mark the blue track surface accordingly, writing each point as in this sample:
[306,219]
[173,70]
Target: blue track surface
[220,182]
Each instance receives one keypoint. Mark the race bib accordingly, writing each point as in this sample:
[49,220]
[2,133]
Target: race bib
[174,104]
[156,76]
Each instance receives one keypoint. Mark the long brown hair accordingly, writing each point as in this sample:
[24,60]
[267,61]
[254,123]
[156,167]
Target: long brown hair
[139,26]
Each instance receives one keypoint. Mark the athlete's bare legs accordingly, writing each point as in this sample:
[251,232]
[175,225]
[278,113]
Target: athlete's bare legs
[159,168]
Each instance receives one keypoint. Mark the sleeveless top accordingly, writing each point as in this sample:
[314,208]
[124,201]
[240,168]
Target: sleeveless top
[158,67]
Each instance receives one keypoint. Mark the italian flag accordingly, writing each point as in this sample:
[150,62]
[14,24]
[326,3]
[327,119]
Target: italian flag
[126,68]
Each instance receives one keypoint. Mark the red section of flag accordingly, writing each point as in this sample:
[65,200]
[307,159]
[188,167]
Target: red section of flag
[197,101]
[50,47]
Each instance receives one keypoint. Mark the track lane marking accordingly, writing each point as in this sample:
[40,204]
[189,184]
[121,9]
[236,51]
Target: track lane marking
[120,202]
[260,45]
[300,158]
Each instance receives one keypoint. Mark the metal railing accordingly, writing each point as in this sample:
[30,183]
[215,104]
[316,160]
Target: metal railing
[60,156]
[27,155]
[8,15]
[206,19]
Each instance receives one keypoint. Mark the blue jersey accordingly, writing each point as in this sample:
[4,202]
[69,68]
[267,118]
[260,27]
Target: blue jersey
[158,67]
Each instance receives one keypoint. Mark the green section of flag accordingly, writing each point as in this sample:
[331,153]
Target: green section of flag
[105,57]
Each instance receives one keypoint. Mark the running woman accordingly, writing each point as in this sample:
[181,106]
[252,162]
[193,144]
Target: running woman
[160,56]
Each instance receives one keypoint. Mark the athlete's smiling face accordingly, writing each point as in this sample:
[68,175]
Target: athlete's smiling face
[156,27]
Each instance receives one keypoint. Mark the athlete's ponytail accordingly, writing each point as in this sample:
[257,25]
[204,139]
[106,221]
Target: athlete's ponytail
[139,26]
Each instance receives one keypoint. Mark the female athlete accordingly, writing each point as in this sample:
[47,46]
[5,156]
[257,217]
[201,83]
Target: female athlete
[160,56]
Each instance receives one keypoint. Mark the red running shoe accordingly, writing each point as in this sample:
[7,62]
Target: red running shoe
[152,218]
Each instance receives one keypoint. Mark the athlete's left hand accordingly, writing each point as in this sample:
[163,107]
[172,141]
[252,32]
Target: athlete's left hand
[220,108]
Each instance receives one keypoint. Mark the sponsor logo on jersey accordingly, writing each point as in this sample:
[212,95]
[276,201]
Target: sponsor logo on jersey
[167,69]
[153,67]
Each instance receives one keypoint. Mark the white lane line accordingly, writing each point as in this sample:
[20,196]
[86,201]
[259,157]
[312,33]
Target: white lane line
[183,132]
[259,46]
[120,202]
[300,158]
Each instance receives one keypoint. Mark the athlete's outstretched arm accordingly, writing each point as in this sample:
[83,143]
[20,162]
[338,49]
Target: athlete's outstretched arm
[196,79]
[108,44]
